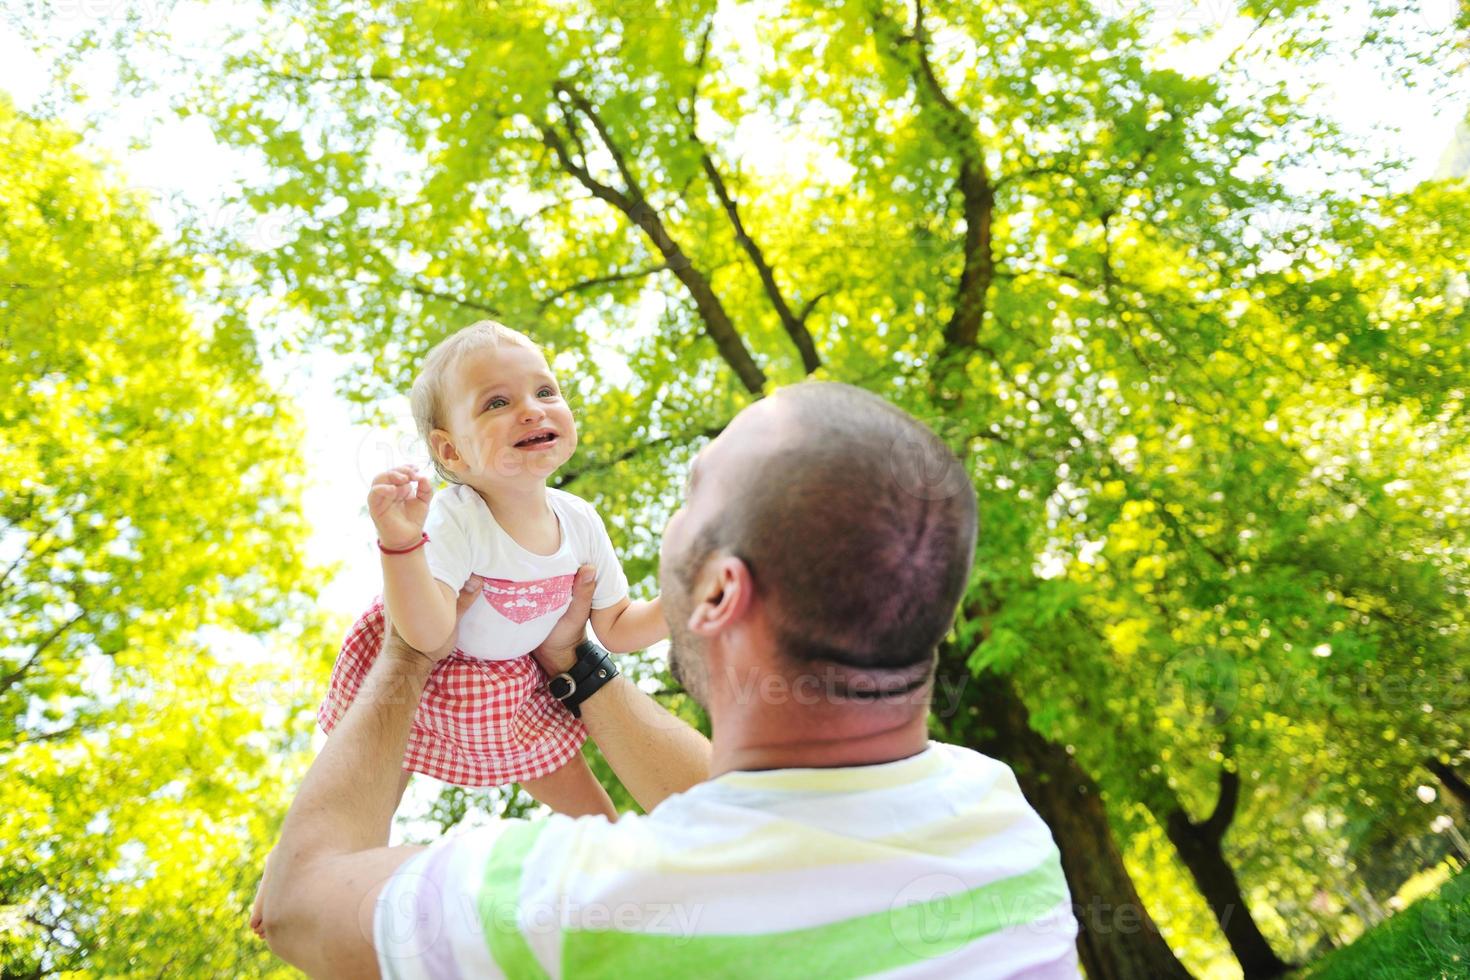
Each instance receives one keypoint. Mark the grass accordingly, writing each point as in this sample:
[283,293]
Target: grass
[1430,940]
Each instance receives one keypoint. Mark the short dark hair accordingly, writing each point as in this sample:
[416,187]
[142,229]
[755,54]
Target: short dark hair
[859,534]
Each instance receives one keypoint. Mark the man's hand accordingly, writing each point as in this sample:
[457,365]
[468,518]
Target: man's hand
[654,753]
[396,646]
[558,652]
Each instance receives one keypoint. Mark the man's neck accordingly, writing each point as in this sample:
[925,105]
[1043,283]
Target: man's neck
[746,744]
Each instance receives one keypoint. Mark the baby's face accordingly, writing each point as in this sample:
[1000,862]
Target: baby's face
[508,422]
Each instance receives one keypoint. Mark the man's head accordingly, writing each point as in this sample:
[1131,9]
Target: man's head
[809,509]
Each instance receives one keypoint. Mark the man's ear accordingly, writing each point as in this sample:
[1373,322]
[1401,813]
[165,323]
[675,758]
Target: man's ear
[723,595]
[442,449]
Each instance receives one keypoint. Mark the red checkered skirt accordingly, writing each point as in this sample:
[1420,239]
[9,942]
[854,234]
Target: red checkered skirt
[479,722]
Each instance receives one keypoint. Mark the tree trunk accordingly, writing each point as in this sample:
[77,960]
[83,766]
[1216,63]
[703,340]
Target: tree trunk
[1116,939]
[1458,788]
[1199,847]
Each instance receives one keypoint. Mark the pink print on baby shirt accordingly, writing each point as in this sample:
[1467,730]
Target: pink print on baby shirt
[521,602]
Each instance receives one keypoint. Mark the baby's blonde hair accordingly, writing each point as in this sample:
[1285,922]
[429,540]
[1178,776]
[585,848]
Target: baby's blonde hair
[427,395]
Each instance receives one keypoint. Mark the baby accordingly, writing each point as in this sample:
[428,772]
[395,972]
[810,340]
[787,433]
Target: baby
[497,426]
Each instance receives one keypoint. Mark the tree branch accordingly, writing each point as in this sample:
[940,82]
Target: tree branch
[1055,168]
[574,129]
[521,224]
[301,79]
[43,737]
[5,576]
[15,676]
[795,326]
[620,160]
[632,203]
[1220,818]
[468,304]
[957,132]
[682,438]
[699,60]
[553,141]
[811,304]
[596,281]
[1451,779]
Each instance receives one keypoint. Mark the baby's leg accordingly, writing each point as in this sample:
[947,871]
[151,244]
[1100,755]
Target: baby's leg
[572,790]
[257,909]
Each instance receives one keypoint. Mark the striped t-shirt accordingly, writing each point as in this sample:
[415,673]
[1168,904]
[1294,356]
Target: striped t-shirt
[933,866]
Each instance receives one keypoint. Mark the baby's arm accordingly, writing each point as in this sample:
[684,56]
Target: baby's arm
[628,626]
[421,607]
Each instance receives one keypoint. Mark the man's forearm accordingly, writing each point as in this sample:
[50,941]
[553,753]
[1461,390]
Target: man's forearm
[347,800]
[654,753]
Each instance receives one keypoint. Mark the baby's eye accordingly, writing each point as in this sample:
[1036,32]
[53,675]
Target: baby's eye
[496,402]
[546,392]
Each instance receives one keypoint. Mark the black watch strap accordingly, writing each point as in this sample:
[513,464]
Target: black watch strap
[594,668]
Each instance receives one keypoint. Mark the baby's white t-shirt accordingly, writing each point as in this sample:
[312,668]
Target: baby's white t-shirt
[525,593]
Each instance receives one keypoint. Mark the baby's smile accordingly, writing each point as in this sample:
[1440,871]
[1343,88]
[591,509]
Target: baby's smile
[539,439]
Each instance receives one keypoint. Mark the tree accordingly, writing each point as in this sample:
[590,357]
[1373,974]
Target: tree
[1090,270]
[148,524]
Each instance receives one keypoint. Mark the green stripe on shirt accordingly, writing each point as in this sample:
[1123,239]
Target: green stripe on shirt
[500,899]
[859,946]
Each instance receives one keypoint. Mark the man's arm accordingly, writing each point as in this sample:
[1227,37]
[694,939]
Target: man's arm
[654,753]
[325,874]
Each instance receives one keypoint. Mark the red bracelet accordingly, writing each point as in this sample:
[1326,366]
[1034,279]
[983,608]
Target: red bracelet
[403,551]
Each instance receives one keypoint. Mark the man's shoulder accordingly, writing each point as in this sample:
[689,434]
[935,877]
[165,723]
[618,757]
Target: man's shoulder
[520,839]
[979,773]
[968,760]
[475,858]
[748,851]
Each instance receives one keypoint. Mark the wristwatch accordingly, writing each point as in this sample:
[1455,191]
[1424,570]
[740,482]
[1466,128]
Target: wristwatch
[594,668]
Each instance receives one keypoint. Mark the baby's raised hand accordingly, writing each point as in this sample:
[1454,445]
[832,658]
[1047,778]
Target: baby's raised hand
[399,504]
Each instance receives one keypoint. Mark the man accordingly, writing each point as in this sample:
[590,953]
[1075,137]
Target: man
[825,542]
